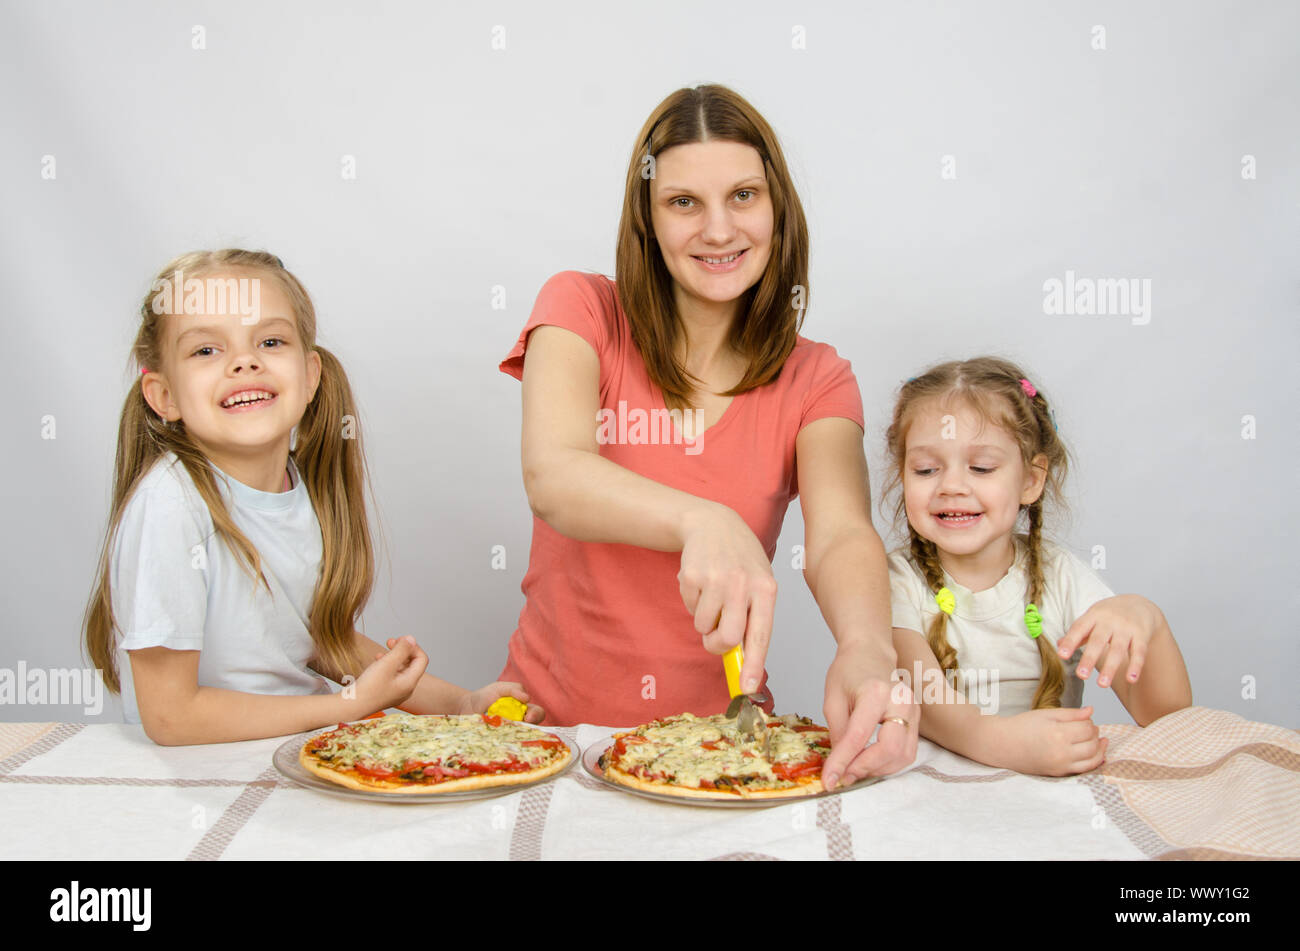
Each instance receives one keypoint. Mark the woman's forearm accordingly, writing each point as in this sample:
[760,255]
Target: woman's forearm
[849,580]
[588,498]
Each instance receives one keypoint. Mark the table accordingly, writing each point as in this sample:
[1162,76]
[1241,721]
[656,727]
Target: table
[1199,783]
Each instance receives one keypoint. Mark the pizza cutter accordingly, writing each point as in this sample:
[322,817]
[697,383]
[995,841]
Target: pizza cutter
[749,719]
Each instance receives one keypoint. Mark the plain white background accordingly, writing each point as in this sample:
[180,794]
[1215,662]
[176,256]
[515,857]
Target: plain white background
[481,167]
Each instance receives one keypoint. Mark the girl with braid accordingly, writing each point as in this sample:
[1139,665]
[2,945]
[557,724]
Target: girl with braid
[997,622]
[238,558]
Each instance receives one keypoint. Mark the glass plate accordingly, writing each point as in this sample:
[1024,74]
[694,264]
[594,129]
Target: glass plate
[286,761]
[591,763]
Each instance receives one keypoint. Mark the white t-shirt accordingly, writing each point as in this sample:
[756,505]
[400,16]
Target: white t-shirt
[176,584]
[1000,663]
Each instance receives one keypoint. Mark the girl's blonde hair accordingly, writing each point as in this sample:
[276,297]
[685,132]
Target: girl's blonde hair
[993,389]
[330,462]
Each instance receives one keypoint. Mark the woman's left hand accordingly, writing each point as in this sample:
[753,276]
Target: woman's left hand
[1122,627]
[859,696]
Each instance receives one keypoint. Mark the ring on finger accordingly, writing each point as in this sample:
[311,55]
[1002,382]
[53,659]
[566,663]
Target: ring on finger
[899,720]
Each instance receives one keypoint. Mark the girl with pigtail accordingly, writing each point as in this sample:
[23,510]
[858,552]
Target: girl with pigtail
[988,621]
[238,558]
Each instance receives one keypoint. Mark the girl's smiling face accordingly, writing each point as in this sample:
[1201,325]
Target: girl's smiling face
[964,481]
[712,215]
[240,388]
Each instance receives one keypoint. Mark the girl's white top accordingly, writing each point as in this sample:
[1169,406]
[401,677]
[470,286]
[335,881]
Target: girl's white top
[176,584]
[999,661]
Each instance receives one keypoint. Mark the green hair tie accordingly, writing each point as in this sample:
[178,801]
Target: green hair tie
[946,601]
[1033,620]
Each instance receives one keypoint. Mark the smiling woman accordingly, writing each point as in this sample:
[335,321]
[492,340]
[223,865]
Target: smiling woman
[641,548]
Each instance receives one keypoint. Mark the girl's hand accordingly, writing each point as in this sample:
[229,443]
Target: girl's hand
[1122,628]
[477,701]
[1050,742]
[858,698]
[393,677]
[726,582]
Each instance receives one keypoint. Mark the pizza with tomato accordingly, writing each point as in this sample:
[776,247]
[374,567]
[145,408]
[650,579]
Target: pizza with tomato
[406,753]
[708,758]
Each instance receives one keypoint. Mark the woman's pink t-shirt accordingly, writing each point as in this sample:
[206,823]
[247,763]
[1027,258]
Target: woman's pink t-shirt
[604,636]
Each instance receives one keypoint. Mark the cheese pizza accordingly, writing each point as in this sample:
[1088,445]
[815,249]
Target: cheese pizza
[405,753]
[708,758]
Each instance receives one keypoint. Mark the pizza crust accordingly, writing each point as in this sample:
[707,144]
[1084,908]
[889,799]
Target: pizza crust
[616,775]
[353,780]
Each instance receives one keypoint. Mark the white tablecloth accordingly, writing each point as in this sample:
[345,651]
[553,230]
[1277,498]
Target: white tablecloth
[1197,784]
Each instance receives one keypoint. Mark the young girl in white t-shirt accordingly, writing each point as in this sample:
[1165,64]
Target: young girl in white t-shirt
[238,557]
[987,621]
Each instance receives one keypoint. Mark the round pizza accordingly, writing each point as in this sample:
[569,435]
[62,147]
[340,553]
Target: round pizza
[405,753]
[708,758]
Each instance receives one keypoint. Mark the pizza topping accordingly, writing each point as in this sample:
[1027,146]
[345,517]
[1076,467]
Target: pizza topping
[430,748]
[812,766]
[441,772]
[371,768]
[710,753]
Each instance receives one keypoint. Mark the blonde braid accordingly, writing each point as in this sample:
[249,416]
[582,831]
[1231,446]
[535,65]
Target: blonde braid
[1052,683]
[926,554]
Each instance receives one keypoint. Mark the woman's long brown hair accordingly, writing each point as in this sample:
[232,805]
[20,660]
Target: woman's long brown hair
[772,310]
[328,455]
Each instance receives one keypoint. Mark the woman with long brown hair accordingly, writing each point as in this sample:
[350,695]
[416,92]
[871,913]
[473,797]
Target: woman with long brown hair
[710,414]
[238,558]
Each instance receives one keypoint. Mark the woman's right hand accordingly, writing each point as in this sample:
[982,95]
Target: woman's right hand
[1056,741]
[393,677]
[726,582]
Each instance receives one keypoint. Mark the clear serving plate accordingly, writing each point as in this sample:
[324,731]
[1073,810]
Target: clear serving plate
[285,760]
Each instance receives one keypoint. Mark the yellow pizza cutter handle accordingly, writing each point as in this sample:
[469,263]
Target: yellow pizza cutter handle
[508,707]
[732,661]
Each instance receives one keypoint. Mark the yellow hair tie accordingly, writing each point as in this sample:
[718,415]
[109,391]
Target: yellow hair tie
[946,600]
[1033,620]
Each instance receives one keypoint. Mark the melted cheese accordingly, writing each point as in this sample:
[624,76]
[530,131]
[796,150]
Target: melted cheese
[674,750]
[449,741]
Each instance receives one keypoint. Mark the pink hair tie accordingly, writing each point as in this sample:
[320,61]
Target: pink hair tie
[144,370]
[1028,388]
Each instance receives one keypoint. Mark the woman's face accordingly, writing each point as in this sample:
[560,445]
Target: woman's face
[712,215]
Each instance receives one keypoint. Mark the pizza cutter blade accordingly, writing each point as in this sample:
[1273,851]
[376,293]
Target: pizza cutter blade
[749,719]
